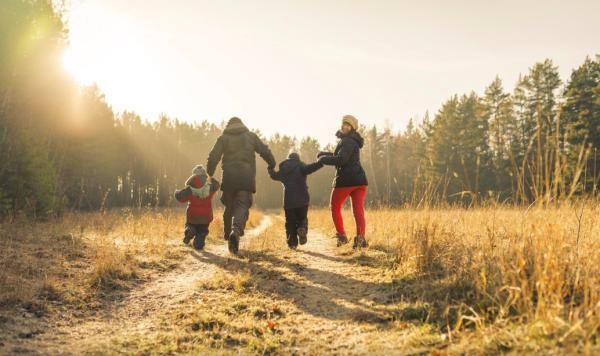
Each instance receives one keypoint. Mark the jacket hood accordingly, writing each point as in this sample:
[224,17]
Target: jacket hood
[289,165]
[191,181]
[235,128]
[353,135]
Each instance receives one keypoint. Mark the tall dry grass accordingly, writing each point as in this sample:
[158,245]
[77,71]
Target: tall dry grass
[80,254]
[483,268]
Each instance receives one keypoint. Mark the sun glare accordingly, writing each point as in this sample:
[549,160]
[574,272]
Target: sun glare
[77,67]
[120,67]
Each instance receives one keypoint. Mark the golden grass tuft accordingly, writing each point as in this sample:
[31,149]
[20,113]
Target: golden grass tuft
[239,282]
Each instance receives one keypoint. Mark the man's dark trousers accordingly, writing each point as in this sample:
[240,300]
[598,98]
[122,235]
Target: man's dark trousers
[237,207]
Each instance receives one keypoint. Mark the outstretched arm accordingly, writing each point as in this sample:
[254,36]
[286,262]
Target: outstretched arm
[214,157]
[342,157]
[307,169]
[183,195]
[275,175]
[264,151]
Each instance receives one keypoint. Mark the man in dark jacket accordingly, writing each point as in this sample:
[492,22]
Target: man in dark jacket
[236,147]
[292,174]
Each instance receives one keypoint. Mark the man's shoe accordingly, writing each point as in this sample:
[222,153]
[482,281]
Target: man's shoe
[233,243]
[341,240]
[292,241]
[302,235]
[359,242]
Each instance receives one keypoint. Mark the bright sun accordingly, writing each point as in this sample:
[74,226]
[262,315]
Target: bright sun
[78,67]
[121,59]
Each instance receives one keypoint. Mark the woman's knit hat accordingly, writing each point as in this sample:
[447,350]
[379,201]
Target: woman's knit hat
[350,120]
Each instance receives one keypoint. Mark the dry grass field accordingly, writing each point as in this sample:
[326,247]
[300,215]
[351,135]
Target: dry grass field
[442,281]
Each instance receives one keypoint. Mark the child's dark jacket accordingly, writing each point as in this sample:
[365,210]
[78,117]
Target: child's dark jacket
[292,173]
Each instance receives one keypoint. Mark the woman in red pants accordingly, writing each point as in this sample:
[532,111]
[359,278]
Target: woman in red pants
[350,180]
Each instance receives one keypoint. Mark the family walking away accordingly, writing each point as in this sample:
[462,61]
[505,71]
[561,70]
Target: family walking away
[236,150]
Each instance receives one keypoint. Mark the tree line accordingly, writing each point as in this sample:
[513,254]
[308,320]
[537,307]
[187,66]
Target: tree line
[62,146]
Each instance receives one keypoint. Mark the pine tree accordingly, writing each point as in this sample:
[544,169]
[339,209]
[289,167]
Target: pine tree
[499,112]
[581,114]
[458,147]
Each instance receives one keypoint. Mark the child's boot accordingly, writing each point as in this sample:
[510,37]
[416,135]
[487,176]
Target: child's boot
[199,241]
[188,234]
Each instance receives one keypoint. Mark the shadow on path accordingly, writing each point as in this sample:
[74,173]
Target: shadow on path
[317,293]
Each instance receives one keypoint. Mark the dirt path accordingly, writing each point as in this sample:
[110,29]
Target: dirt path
[135,314]
[335,300]
[316,299]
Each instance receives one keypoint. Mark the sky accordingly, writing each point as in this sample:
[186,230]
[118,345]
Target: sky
[296,67]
